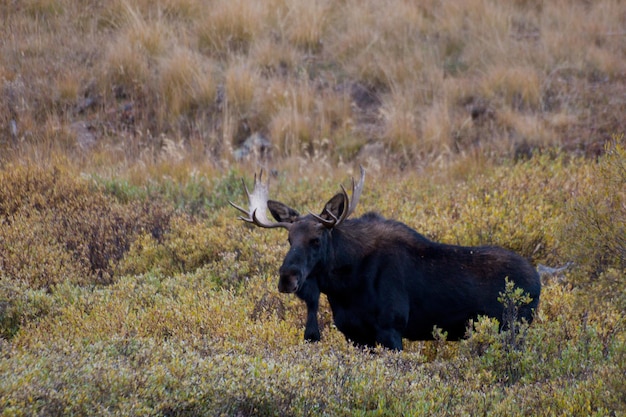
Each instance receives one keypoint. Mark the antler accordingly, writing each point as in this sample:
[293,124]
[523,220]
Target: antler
[258,204]
[356,195]
[351,204]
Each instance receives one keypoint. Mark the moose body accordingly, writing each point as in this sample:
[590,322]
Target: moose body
[385,281]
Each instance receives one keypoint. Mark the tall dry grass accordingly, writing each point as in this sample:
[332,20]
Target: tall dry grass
[421,80]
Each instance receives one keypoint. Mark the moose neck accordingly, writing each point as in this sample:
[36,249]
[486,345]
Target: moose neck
[355,239]
[346,245]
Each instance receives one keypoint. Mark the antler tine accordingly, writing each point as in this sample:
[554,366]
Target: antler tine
[258,205]
[260,223]
[346,211]
[245,187]
[328,223]
[241,209]
[332,216]
[357,189]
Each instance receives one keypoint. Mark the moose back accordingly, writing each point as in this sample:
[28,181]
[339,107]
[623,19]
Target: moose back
[385,281]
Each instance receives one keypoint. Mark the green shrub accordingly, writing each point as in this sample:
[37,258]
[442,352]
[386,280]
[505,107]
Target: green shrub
[55,228]
[193,193]
[597,231]
[20,303]
[501,348]
[191,322]
[187,245]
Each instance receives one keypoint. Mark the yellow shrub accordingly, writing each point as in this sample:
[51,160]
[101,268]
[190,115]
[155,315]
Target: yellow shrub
[56,228]
[597,232]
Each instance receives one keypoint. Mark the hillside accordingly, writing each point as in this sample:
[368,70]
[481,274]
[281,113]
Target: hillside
[129,287]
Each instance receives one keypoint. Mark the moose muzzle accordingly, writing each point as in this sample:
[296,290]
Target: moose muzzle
[289,280]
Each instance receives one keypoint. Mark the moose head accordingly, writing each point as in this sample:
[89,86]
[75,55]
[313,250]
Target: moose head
[309,235]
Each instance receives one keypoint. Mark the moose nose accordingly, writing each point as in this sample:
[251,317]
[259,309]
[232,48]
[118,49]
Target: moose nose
[288,281]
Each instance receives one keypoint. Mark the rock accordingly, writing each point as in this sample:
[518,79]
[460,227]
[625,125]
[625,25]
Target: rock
[255,145]
[84,132]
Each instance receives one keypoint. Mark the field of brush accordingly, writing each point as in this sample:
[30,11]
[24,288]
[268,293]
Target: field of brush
[129,287]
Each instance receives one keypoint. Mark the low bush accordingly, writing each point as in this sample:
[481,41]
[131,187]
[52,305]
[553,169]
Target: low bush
[187,245]
[56,228]
[74,226]
[597,232]
[190,321]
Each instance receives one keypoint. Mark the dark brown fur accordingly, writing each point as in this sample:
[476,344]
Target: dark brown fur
[384,281]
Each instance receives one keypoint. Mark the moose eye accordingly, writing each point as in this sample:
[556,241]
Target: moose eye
[315,242]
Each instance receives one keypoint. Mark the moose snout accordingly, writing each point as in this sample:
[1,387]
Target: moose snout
[288,281]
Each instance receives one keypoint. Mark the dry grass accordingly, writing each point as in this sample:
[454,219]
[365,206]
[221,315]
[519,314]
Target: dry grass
[230,27]
[415,78]
[305,23]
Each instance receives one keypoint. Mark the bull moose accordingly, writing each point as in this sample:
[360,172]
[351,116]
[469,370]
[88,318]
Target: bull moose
[385,281]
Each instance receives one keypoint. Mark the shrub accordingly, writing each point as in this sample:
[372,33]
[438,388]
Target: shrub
[79,228]
[500,344]
[191,322]
[597,232]
[55,228]
[187,245]
[31,251]
[20,303]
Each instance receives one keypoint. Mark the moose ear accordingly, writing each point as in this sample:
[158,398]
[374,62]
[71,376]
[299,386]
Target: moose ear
[281,212]
[335,206]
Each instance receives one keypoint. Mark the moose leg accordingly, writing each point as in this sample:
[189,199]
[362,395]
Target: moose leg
[389,323]
[310,294]
[312,331]
[389,338]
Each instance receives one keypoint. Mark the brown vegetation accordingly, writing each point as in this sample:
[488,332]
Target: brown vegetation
[421,80]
